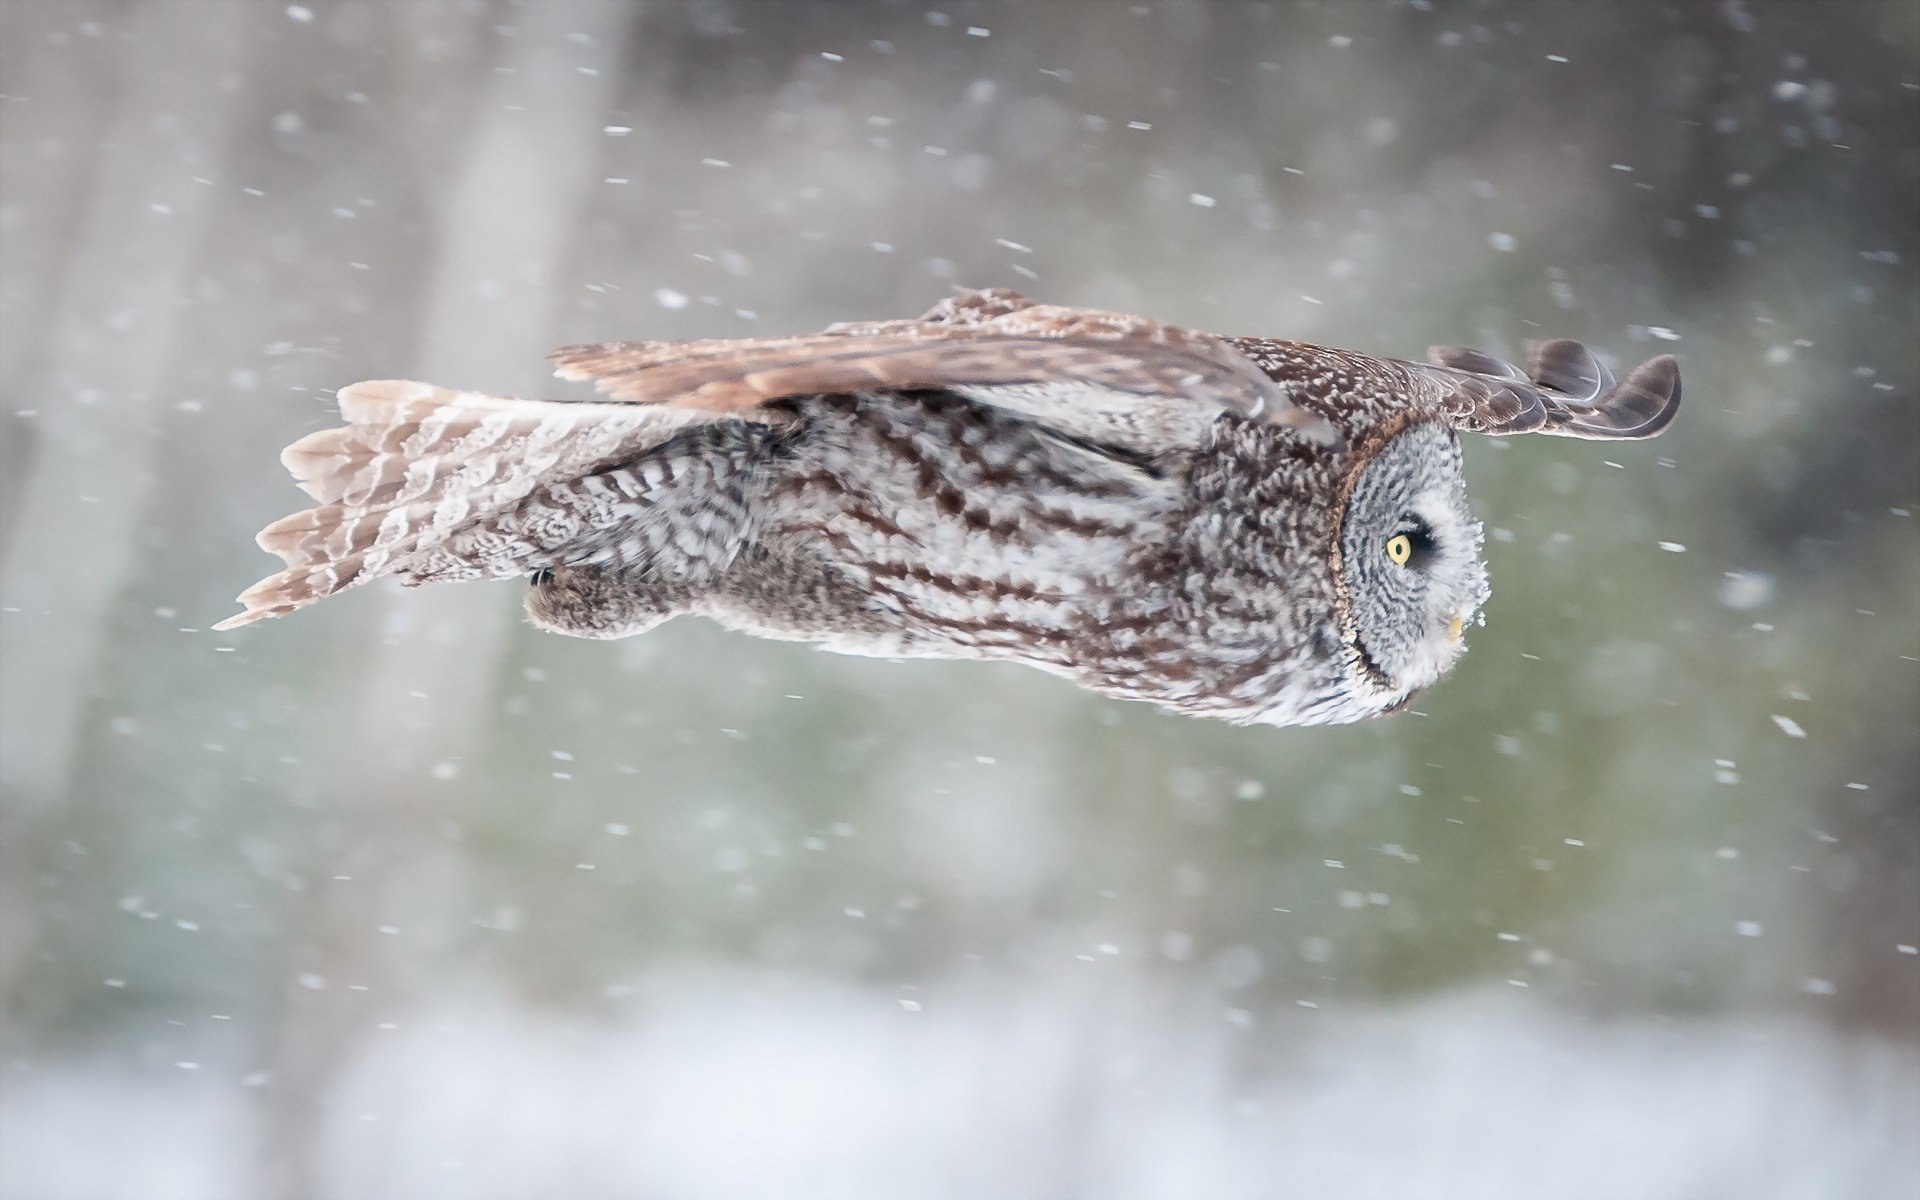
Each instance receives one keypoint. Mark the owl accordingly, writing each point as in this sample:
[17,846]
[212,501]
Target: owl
[1231,527]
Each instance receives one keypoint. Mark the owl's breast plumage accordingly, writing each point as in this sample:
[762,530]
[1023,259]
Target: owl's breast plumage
[930,526]
[945,528]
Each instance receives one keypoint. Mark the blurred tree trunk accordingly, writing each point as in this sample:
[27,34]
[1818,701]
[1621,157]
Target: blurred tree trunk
[500,236]
[148,121]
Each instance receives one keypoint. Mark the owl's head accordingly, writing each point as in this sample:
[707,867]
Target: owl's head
[1408,565]
[1408,576]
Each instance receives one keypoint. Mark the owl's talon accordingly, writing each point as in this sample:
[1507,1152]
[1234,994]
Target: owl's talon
[595,602]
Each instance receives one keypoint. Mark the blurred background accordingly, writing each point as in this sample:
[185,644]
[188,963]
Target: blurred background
[400,898]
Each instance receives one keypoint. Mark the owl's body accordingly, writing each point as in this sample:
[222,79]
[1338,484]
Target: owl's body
[929,526]
[1204,523]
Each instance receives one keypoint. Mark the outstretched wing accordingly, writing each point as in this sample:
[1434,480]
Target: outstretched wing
[1129,381]
[1565,391]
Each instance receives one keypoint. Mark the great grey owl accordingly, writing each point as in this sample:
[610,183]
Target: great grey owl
[1235,527]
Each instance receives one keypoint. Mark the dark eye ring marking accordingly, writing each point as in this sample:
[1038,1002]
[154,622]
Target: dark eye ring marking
[1412,544]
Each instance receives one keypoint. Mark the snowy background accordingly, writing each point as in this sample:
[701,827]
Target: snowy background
[402,899]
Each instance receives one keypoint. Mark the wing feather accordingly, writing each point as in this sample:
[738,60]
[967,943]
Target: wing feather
[415,464]
[1142,384]
[1565,391]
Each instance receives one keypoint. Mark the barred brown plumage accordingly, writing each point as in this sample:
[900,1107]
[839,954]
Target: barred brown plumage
[1236,527]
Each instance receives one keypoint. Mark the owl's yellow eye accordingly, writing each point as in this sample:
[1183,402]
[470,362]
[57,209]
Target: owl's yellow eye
[1399,549]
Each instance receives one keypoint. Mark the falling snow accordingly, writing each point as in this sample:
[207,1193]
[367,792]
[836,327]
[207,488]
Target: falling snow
[1638,856]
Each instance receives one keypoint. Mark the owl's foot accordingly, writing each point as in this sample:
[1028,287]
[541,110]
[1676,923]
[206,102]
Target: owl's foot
[597,602]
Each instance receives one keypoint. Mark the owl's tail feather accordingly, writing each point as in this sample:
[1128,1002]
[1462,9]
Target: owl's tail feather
[416,463]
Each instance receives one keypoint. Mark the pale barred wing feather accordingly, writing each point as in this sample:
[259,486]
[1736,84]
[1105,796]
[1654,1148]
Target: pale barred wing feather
[415,464]
[1139,383]
[1565,391]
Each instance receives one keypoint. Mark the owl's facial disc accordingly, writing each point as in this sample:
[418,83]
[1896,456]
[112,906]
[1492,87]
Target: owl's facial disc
[1411,569]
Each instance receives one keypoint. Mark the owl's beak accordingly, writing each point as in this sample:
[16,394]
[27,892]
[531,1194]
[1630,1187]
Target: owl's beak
[1454,626]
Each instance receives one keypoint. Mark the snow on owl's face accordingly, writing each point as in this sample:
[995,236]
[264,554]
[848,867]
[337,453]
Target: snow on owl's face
[1411,574]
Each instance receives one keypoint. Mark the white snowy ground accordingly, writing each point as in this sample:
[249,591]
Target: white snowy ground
[716,1085]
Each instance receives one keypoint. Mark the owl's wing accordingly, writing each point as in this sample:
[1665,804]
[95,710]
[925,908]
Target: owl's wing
[1565,390]
[416,463]
[1128,381]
